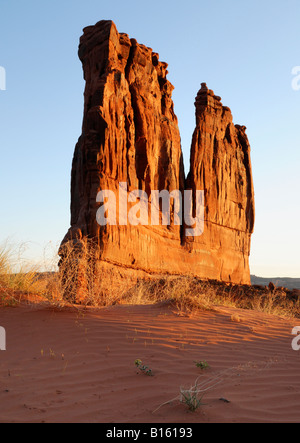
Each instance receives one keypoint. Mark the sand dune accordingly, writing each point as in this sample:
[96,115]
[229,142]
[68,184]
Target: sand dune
[74,366]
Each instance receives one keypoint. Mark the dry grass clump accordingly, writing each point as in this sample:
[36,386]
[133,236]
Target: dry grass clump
[17,276]
[81,279]
[186,294]
[277,302]
[190,294]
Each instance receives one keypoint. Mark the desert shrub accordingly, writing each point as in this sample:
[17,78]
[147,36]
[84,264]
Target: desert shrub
[17,275]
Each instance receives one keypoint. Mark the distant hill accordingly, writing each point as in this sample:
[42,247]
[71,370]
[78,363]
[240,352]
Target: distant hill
[286,282]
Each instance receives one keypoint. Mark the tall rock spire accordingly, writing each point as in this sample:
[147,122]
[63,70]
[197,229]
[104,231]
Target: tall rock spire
[130,135]
[220,165]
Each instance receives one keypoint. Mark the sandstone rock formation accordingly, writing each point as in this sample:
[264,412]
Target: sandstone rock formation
[220,164]
[130,135]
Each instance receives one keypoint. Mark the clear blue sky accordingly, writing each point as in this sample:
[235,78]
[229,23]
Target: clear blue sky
[245,51]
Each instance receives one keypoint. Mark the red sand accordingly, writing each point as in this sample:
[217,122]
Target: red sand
[69,366]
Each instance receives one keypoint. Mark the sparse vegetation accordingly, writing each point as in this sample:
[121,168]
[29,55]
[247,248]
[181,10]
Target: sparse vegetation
[192,397]
[190,295]
[143,368]
[17,276]
[82,280]
[203,365]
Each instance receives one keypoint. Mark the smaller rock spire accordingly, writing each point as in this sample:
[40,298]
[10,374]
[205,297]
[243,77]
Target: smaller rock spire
[206,98]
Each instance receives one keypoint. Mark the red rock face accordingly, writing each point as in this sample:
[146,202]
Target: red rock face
[220,165]
[130,135]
